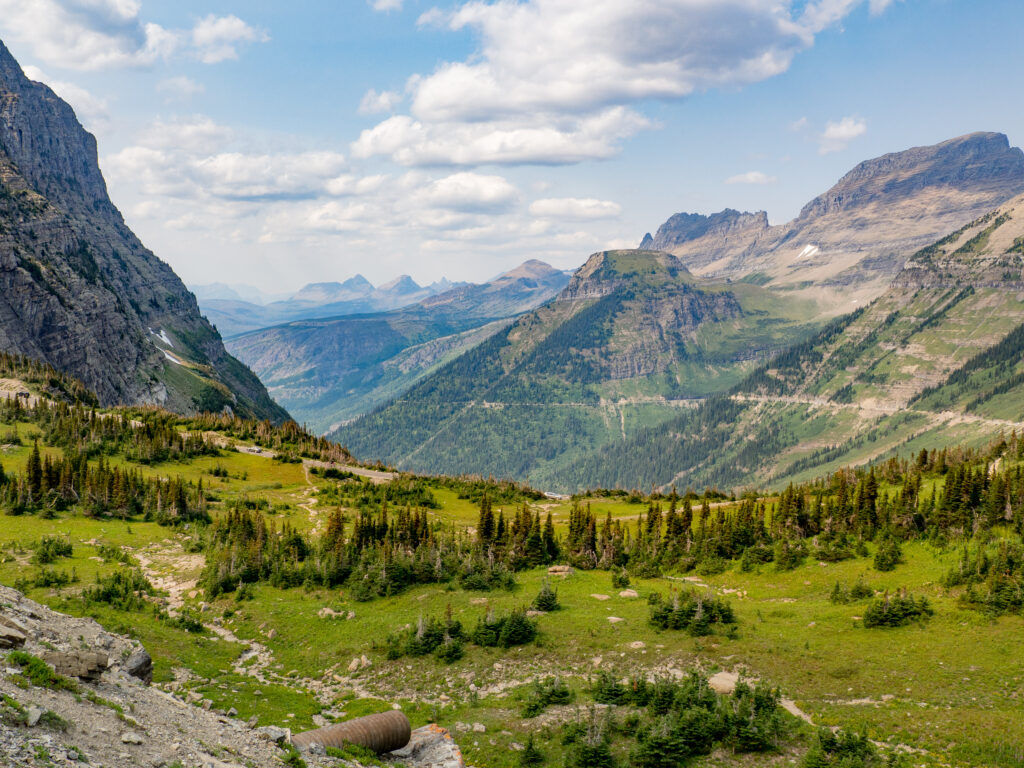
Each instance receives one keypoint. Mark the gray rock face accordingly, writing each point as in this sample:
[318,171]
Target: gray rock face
[85,665]
[77,288]
[684,227]
[140,665]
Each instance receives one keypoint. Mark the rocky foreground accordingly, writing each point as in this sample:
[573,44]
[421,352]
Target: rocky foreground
[91,702]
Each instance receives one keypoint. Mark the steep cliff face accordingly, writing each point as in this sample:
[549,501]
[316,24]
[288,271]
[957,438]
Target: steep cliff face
[848,243]
[78,290]
[685,227]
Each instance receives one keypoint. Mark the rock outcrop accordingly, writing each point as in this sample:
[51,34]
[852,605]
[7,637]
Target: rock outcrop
[78,290]
[849,242]
[114,718]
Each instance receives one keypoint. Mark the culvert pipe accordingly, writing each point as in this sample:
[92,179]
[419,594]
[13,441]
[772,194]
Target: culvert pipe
[382,733]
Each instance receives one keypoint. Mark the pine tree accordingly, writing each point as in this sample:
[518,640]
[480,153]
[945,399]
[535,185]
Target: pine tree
[34,474]
[485,526]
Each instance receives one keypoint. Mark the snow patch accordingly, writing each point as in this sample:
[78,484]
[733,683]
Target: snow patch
[808,251]
[172,358]
[163,337]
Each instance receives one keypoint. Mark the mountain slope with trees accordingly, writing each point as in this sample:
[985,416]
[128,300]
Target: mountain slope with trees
[936,358]
[330,371]
[631,339]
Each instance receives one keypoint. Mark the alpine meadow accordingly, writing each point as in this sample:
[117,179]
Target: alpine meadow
[502,390]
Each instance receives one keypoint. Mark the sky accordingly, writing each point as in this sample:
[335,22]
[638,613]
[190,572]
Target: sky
[275,144]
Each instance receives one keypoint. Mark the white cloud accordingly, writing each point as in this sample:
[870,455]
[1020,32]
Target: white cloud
[837,135]
[374,103]
[102,34]
[470,192]
[798,125]
[197,134]
[180,87]
[575,208]
[386,5]
[751,177]
[508,142]
[878,7]
[547,68]
[216,38]
[91,110]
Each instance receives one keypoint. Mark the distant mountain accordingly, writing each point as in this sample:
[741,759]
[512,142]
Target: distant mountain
[234,316]
[77,288]
[848,243]
[631,339]
[353,289]
[232,292]
[329,371]
[937,359]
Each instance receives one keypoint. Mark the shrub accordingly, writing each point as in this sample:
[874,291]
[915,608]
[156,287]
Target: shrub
[888,555]
[124,590]
[530,757]
[696,613]
[544,693]
[547,599]
[896,611]
[50,549]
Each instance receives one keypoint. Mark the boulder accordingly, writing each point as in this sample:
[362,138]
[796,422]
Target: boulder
[140,665]
[85,665]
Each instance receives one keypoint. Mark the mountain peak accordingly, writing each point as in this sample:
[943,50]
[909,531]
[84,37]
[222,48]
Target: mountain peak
[53,152]
[685,227]
[606,271]
[984,161]
[400,285]
[532,269]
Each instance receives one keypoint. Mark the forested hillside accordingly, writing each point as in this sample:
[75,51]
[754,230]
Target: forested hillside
[633,338]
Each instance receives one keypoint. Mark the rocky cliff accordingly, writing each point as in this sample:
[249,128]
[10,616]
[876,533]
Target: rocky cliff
[848,243]
[79,291]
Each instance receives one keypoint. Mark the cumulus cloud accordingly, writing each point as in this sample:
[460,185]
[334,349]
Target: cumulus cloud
[751,177]
[216,38]
[101,34]
[575,208]
[180,87]
[92,111]
[838,134]
[545,69]
[386,5]
[374,103]
[507,142]
[470,192]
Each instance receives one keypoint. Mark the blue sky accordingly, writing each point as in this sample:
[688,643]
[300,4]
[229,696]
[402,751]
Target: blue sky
[276,144]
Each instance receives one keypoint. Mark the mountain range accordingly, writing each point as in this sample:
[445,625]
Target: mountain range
[328,371]
[642,343]
[848,243]
[79,291]
[935,360]
[225,307]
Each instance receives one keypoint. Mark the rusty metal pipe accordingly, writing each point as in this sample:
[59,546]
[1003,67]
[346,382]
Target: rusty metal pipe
[382,733]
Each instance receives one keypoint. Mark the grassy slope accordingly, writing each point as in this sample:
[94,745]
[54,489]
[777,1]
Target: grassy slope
[951,687]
